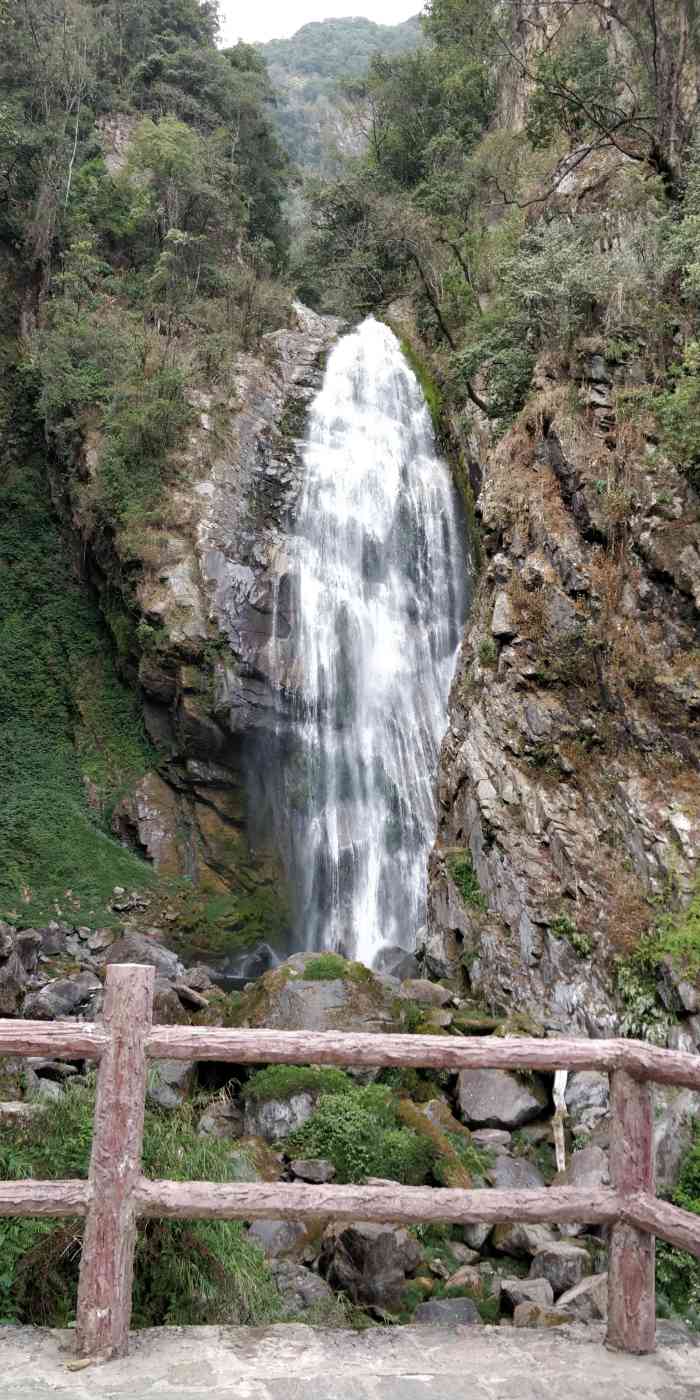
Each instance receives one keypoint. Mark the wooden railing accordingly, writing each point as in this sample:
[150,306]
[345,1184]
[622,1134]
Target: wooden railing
[116,1194]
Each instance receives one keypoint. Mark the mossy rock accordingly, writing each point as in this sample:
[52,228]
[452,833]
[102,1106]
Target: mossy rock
[286,999]
[251,1159]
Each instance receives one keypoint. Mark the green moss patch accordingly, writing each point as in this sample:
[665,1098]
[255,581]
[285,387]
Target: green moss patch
[283,1081]
[71,734]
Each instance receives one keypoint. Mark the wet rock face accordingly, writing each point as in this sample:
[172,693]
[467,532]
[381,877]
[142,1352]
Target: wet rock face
[569,775]
[205,599]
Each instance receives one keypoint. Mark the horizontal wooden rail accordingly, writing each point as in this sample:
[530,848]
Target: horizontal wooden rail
[116,1194]
[398,1205]
[248,1047]
[53,1039]
[44,1198]
[680,1228]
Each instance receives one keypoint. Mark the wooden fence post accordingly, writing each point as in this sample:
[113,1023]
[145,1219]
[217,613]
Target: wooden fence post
[107,1265]
[631,1276]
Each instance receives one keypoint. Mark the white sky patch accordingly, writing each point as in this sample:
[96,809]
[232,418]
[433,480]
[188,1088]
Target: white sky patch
[278,19]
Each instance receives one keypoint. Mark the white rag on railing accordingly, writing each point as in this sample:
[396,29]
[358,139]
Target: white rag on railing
[560,1081]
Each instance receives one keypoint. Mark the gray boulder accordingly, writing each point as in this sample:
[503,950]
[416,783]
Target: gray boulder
[299,1288]
[587,1301]
[222,1119]
[280,1238]
[274,1119]
[440,952]
[284,1000]
[676,1113]
[475,1236]
[169,1082]
[586,1089]
[587,1100]
[515,1174]
[448,1312]
[563,1265]
[495,1098]
[588,1167]
[316,1170]
[532,1315]
[369,1262]
[395,962]
[426,993]
[137,948]
[69,996]
[493,1139]
[527,1290]
[522,1240]
[250,1159]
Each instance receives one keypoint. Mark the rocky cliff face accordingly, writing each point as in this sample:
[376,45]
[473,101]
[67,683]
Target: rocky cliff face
[201,616]
[569,786]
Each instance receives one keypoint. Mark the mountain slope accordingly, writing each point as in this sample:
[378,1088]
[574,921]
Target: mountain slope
[306,71]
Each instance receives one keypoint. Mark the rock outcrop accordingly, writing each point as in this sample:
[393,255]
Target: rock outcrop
[569,786]
[198,608]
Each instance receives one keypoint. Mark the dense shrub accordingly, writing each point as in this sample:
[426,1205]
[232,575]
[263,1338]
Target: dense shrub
[361,1134]
[185,1272]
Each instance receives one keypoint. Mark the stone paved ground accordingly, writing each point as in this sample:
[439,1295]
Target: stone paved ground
[305,1363]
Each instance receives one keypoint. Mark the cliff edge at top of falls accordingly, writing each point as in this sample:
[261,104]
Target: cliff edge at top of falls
[569,789]
[202,594]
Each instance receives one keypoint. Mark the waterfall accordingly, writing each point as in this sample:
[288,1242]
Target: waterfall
[377,576]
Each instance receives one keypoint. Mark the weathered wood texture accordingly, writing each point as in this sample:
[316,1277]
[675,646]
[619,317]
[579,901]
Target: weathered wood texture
[420,1051]
[631,1273]
[679,1227]
[117,1194]
[406,1205]
[52,1039]
[44,1198]
[106,1271]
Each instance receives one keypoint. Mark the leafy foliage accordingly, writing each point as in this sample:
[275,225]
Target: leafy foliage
[360,1133]
[309,72]
[185,1273]
[677,1273]
[465,877]
[66,720]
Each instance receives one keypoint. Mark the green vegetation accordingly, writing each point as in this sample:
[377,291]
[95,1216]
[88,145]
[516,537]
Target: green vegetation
[470,219]
[186,1273]
[327,967]
[462,870]
[676,937]
[677,1273]
[283,1081]
[311,70]
[159,265]
[68,724]
[564,927]
[361,1134]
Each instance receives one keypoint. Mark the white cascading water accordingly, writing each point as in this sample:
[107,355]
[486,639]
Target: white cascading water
[379,582]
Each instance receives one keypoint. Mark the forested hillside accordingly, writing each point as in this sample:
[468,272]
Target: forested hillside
[142,248]
[310,72]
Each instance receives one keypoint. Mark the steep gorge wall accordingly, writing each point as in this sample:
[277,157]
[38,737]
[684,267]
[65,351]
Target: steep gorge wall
[569,776]
[192,615]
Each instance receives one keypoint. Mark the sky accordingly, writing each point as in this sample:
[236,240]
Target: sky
[277,19]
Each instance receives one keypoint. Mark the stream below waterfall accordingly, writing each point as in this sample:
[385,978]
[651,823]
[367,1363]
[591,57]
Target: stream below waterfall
[378,575]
